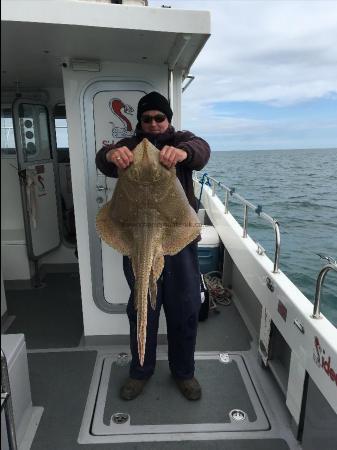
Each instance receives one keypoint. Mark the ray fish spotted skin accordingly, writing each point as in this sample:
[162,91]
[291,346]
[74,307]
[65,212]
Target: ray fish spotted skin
[147,217]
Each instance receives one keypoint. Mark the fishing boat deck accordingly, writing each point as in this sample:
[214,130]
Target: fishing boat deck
[77,382]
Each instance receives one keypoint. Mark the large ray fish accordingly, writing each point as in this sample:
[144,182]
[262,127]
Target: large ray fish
[147,217]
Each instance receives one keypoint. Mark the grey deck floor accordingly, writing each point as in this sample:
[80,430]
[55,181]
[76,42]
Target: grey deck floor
[51,319]
[51,316]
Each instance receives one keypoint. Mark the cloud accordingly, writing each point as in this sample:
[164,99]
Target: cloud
[271,51]
[280,53]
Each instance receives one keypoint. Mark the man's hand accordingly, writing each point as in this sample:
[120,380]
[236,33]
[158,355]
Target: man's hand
[170,156]
[120,156]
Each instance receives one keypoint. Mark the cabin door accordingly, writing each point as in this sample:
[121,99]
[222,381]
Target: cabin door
[35,144]
[110,112]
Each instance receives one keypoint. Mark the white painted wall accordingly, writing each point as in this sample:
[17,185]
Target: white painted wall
[97,322]
[14,257]
[107,16]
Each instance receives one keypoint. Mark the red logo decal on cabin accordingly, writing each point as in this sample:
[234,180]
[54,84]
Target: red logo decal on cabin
[323,361]
[121,125]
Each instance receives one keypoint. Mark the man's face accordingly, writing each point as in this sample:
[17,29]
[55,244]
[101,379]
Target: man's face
[154,122]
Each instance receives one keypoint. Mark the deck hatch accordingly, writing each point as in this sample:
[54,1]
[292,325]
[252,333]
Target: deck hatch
[162,404]
[161,410]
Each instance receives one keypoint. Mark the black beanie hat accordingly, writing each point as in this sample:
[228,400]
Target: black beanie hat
[154,101]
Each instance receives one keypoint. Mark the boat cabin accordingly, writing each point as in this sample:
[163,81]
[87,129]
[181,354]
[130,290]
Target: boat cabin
[73,72]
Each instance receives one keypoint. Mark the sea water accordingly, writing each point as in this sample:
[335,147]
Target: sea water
[299,189]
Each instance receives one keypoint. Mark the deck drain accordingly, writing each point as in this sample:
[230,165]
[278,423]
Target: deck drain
[224,358]
[122,359]
[237,415]
[120,418]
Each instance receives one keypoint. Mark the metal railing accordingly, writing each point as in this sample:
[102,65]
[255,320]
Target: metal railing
[320,280]
[6,403]
[230,192]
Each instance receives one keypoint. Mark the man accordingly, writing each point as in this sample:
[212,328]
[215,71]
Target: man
[179,284]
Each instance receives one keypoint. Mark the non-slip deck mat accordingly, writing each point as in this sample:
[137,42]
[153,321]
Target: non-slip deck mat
[224,330]
[50,316]
[60,383]
[223,390]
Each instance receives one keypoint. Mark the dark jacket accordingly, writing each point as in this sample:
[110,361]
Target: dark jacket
[198,152]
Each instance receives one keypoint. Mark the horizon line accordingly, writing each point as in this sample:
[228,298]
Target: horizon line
[276,149]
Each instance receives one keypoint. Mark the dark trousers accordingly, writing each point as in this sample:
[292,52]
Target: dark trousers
[179,293]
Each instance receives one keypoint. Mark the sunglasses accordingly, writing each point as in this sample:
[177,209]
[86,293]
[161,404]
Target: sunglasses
[157,118]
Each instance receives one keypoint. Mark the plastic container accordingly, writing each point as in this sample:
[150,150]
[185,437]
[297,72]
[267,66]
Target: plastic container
[208,249]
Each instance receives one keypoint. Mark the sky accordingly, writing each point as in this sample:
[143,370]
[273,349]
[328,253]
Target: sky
[267,76]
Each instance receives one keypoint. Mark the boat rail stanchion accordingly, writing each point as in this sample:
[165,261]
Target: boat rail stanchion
[6,403]
[226,202]
[246,205]
[204,180]
[277,247]
[229,191]
[275,224]
[213,188]
[320,279]
[245,221]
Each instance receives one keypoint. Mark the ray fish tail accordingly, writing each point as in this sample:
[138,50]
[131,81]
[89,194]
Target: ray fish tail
[142,262]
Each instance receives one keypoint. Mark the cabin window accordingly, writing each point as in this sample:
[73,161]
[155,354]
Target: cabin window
[61,127]
[7,132]
[61,131]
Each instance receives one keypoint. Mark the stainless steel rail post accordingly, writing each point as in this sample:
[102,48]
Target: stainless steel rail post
[277,246]
[245,221]
[7,403]
[226,202]
[213,188]
[321,276]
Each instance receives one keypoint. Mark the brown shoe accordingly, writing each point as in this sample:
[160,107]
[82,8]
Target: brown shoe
[190,389]
[132,388]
